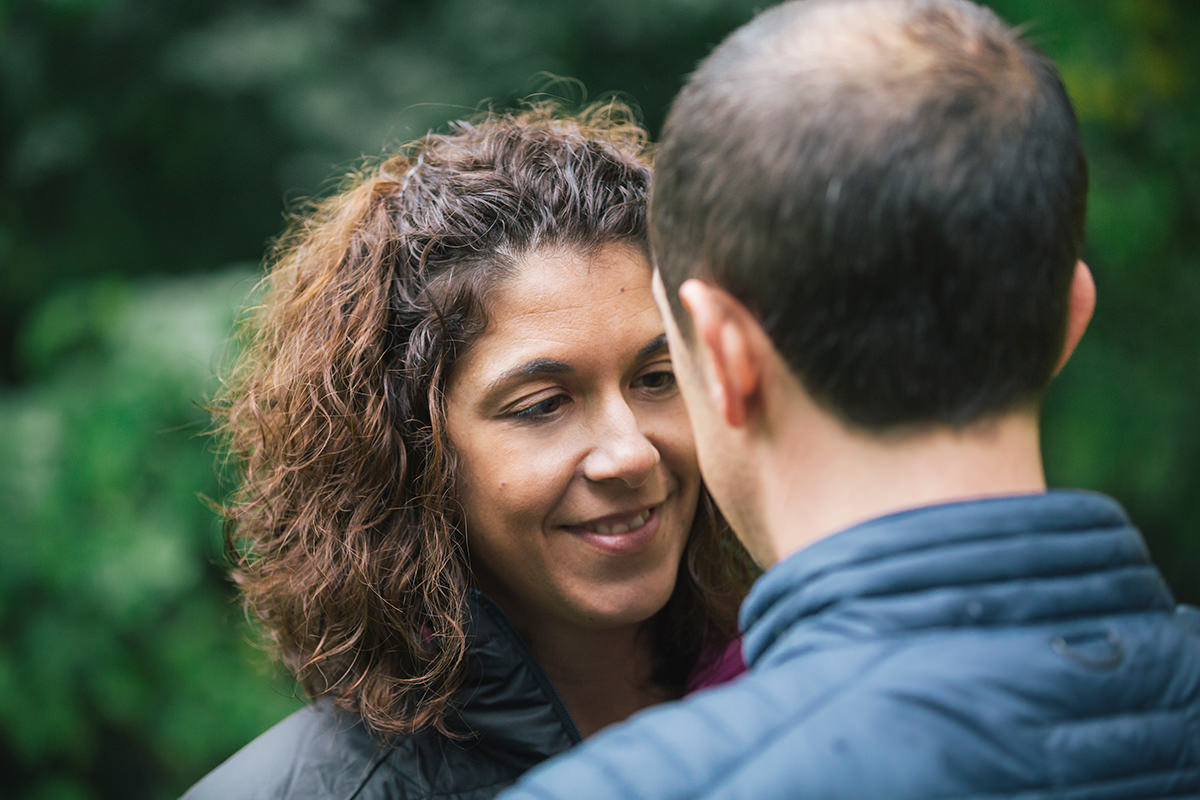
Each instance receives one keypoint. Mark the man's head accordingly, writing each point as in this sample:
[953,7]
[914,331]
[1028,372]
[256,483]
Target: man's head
[895,189]
[894,192]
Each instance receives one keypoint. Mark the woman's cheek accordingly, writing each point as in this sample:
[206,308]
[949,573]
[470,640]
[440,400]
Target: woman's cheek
[675,441]
[529,474]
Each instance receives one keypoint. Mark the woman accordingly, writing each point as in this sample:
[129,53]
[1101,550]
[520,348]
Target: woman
[470,516]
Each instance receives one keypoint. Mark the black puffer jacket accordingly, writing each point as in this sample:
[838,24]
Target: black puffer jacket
[320,752]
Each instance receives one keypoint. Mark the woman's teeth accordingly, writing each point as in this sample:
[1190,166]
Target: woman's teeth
[617,530]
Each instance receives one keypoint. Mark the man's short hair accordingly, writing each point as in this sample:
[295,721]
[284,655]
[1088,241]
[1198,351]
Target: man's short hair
[896,188]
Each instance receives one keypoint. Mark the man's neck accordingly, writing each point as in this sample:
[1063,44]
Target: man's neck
[846,477]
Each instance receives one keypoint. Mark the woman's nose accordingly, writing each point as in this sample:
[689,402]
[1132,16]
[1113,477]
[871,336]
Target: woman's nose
[621,450]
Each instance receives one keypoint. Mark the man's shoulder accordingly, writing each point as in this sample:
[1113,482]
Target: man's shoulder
[690,747]
[316,752]
[901,716]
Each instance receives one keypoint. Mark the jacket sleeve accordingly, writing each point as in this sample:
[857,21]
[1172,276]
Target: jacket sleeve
[316,753]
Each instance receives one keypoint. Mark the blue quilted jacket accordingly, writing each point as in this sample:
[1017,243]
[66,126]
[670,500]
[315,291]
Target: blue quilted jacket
[1014,647]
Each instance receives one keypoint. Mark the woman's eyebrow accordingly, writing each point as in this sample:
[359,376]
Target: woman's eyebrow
[550,366]
[537,366]
[653,346]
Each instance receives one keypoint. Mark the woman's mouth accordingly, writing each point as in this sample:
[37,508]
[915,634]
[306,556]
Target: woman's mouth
[620,533]
[616,529]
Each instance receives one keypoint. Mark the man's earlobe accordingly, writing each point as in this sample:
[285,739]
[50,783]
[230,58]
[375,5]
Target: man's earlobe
[1081,302]
[727,359]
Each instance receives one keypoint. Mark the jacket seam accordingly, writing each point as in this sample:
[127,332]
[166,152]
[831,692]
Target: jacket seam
[375,765]
[999,581]
[944,544]
[1178,709]
[1191,772]
[881,593]
[1036,621]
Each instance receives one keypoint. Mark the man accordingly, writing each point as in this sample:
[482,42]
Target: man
[867,219]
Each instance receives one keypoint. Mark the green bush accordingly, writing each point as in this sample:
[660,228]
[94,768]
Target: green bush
[127,669]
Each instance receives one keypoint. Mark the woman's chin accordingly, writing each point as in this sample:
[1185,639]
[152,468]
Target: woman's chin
[620,606]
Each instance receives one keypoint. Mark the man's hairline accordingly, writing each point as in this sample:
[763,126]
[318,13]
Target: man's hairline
[683,322]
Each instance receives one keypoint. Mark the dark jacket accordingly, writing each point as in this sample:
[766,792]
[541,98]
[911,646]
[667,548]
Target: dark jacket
[320,752]
[1014,647]
[514,716]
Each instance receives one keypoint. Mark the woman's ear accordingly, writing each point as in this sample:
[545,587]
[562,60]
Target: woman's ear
[731,366]
[1081,302]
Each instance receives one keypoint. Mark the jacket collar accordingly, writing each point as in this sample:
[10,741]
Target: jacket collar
[507,702]
[1000,561]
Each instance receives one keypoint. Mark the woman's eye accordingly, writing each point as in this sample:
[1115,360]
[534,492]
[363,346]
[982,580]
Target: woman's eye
[542,408]
[658,381]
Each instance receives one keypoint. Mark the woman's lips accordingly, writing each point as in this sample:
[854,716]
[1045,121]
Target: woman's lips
[620,533]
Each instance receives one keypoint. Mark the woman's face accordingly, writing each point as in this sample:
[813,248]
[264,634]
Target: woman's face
[577,473]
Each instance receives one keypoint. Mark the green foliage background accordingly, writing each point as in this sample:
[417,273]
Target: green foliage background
[147,151]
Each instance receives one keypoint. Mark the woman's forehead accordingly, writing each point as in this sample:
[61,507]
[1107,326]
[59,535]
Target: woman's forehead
[566,305]
[610,286]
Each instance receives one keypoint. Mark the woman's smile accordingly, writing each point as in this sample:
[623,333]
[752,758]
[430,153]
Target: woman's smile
[614,524]
[620,533]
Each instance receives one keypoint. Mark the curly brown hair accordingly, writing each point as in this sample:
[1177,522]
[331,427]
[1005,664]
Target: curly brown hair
[343,531]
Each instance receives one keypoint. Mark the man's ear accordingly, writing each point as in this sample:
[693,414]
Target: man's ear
[1080,304]
[724,342]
